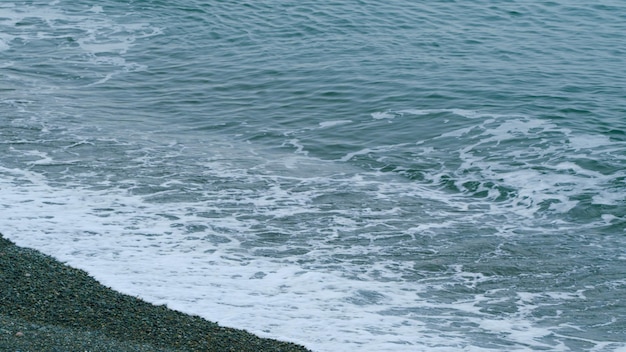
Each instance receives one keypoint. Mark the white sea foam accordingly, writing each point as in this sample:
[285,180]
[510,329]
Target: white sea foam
[327,124]
[383,115]
[172,253]
[98,231]
[471,114]
[541,181]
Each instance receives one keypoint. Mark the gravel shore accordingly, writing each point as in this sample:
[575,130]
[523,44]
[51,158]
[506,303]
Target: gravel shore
[48,306]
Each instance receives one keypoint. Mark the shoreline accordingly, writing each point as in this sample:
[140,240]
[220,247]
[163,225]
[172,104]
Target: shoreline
[47,305]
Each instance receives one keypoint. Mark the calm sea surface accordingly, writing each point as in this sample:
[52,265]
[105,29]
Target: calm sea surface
[348,175]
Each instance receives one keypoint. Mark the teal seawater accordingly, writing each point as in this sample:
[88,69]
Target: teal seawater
[448,175]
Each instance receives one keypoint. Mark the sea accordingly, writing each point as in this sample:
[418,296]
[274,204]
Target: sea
[354,175]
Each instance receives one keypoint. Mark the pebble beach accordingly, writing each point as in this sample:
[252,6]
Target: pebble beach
[48,306]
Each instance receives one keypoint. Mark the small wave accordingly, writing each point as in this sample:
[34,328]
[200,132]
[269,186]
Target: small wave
[507,163]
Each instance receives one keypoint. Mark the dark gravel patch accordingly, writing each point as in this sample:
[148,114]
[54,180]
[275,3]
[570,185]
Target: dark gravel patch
[48,306]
